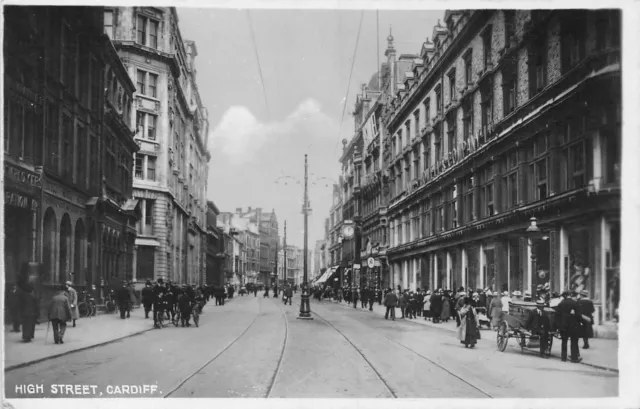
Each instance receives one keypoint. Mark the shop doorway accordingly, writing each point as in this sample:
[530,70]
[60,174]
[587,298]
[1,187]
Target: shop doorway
[65,249]
[17,246]
[145,263]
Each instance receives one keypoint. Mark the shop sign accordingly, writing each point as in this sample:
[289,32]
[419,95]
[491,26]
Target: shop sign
[370,262]
[63,194]
[376,263]
[17,200]
[356,266]
[452,158]
[22,177]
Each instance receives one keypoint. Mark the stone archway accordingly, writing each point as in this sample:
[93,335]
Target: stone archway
[65,249]
[79,254]
[49,239]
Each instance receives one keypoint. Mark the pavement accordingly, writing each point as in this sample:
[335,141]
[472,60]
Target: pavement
[255,348]
[602,353]
[88,333]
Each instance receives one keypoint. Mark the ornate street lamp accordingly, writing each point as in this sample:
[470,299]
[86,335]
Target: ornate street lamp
[535,236]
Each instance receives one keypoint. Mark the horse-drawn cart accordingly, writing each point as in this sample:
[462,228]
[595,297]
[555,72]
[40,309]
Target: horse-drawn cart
[513,325]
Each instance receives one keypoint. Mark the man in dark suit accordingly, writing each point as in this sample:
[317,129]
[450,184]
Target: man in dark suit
[14,308]
[123,299]
[538,324]
[29,307]
[147,298]
[59,314]
[569,314]
[390,301]
[585,306]
[158,302]
[372,296]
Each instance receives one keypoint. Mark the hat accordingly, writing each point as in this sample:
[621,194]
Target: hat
[517,293]
[565,293]
[539,287]
[428,292]
[574,293]
[584,293]
[505,293]
[540,302]
[475,295]
[148,282]
[160,281]
[547,286]
[527,293]
[68,283]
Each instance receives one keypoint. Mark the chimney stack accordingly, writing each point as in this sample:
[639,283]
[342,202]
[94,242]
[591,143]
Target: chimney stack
[239,210]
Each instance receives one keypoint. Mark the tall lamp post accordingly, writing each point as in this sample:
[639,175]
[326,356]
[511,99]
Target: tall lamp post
[305,308]
[535,236]
[284,259]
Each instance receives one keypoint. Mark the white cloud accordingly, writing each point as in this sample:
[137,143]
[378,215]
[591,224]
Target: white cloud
[241,136]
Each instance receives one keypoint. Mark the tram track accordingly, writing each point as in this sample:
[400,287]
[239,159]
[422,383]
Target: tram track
[284,347]
[394,394]
[230,345]
[380,377]
[218,355]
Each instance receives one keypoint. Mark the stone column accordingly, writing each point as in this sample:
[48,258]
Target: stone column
[482,268]
[448,272]
[464,267]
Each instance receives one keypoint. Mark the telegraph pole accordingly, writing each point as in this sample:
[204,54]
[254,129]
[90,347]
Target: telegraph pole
[305,309]
[284,274]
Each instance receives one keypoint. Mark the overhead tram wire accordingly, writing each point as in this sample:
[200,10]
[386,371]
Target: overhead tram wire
[255,49]
[353,61]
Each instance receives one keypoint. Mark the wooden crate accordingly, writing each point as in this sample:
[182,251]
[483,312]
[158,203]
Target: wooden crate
[521,311]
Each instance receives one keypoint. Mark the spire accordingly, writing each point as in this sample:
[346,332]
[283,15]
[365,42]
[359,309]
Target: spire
[390,39]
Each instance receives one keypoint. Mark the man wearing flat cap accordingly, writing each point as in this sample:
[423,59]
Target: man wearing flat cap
[123,299]
[568,315]
[585,305]
[72,295]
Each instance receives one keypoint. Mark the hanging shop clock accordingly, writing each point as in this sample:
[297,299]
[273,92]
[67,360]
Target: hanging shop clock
[348,231]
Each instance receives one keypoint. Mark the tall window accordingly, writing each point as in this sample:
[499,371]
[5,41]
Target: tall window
[438,100]
[427,111]
[452,205]
[467,112]
[468,64]
[537,176]
[147,32]
[69,54]
[574,147]
[451,131]
[426,154]
[538,65]
[416,122]
[509,25]
[110,159]
[94,174]
[510,180]
[438,146]
[151,168]
[149,205]
[96,74]
[139,166]
[509,89]
[486,47]
[467,200]
[147,83]
[108,23]
[486,106]
[453,94]
[486,191]
[426,218]
[146,125]
[573,40]
[416,163]
[67,147]
[81,153]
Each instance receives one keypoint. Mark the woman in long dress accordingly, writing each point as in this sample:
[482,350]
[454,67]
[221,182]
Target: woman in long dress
[446,311]
[469,324]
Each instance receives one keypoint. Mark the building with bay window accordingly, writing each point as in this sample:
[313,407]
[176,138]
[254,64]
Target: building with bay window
[171,128]
[510,114]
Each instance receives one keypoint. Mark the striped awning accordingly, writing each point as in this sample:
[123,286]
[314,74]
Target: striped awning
[325,276]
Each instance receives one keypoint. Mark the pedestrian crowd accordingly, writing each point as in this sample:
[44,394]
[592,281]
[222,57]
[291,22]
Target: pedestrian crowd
[572,311]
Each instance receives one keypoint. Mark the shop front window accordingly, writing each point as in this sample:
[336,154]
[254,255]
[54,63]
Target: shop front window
[612,265]
[516,275]
[580,275]
[472,268]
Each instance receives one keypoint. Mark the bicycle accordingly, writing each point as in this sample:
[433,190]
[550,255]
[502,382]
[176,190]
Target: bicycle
[195,314]
[87,307]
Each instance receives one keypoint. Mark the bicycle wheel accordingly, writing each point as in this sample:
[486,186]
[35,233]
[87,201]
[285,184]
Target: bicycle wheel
[502,337]
[196,318]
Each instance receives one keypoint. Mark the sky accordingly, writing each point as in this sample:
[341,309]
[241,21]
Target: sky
[305,57]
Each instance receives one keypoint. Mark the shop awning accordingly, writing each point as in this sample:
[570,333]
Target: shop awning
[147,242]
[130,205]
[325,276]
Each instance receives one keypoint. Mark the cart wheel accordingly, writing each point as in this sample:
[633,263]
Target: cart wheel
[502,337]
[549,345]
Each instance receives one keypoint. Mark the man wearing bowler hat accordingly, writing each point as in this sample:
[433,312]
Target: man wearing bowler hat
[585,305]
[569,326]
[72,295]
[539,325]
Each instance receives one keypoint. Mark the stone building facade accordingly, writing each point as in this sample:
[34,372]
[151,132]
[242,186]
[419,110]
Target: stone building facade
[68,151]
[509,115]
[171,125]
